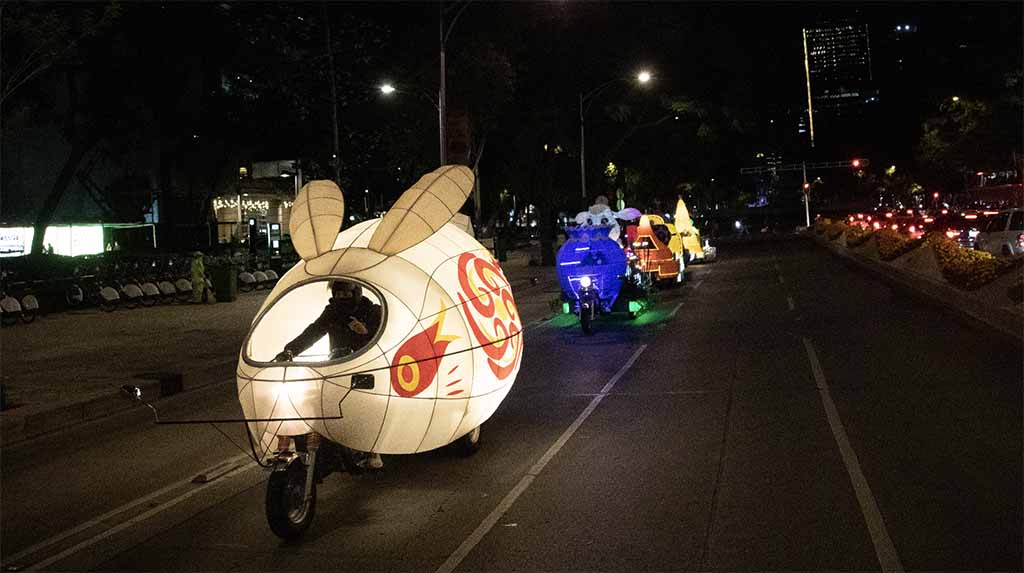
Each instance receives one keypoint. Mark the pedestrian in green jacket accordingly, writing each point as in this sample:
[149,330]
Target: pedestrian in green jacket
[198,278]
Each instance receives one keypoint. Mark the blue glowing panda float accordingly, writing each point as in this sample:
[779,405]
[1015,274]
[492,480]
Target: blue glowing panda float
[593,255]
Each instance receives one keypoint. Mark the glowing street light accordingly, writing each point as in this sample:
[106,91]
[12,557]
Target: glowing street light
[387,89]
[956,99]
[643,77]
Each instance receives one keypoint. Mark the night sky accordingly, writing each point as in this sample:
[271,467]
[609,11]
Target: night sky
[741,59]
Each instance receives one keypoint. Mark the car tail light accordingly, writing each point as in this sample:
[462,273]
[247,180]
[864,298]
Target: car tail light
[945,211]
[1020,240]
[888,215]
[876,225]
[895,227]
[913,229]
[861,216]
[928,220]
[952,234]
[970,216]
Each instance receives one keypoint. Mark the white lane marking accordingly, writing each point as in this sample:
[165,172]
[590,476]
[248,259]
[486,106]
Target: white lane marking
[697,286]
[135,520]
[789,301]
[884,549]
[675,310]
[97,520]
[488,523]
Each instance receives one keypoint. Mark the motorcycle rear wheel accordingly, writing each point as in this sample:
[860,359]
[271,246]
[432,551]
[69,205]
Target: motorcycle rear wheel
[288,513]
[586,320]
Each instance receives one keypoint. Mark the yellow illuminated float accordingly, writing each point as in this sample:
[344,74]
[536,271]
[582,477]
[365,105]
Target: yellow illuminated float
[687,232]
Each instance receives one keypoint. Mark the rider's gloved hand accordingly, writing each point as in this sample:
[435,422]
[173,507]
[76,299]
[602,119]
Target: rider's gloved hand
[284,356]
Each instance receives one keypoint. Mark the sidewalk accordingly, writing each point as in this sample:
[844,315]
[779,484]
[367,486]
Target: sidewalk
[65,369]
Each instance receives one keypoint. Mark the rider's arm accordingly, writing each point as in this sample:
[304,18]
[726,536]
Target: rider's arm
[309,336]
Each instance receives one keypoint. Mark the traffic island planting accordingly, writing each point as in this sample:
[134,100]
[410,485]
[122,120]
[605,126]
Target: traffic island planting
[983,286]
[966,269]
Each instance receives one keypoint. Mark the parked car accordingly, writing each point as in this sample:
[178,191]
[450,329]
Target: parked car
[1004,233]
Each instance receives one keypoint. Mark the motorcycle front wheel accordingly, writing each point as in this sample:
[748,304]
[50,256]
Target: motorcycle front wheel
[586,320]
[288,512]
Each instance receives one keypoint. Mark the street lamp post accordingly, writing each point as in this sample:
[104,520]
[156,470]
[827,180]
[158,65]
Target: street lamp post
[442,91]
[585,100]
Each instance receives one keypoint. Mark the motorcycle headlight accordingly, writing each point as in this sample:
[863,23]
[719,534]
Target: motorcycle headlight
[585,282]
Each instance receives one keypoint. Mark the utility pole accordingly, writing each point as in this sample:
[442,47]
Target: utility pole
[583,155]
[335,158]
[442,128]
[807,196]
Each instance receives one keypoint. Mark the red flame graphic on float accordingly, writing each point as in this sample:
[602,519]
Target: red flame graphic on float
[415,365]
[493,317]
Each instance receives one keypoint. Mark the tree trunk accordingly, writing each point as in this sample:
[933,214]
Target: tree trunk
[79,149]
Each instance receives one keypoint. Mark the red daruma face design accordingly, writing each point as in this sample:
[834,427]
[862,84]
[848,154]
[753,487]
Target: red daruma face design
[491,312]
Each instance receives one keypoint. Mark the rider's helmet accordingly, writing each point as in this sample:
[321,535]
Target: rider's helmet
[346,290]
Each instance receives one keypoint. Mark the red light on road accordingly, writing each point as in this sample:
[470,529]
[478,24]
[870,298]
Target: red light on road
[935,195]
[912,229]
[928,219]
[910,211]
[861,216]
[952,234]
[970,216]
[990,212]
[895,227]
[876,225]
[888,215]
[855,163]
[945,211]
[980,174]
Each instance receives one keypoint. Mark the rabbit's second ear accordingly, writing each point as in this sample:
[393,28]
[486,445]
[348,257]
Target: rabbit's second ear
[423,209]
[316,218]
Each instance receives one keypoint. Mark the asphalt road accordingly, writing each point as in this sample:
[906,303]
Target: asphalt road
[780,411]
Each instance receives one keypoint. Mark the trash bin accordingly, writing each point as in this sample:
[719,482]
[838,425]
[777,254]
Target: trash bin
[225,282]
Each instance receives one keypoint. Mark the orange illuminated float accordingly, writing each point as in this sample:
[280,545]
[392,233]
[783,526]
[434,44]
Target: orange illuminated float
[396,336]
[649,250]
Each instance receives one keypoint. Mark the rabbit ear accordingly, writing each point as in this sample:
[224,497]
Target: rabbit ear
[423,209]
[628,214]
[316,218]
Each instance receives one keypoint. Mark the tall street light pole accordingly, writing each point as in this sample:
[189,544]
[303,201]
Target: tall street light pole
[585,100]
[442,106]
[335,159]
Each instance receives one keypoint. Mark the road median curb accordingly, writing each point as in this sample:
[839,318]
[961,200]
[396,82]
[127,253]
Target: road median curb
[948,296]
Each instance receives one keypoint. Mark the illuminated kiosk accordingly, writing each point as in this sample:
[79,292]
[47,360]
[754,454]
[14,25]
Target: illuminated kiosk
[449,344]
[590,252]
